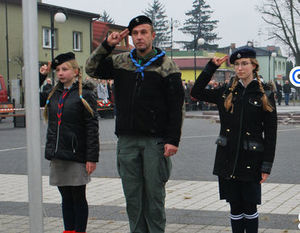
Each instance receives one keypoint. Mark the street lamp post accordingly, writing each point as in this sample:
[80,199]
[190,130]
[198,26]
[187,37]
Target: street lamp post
[60,17]
[200,41]
[271,54]
[173,23]
[7,52]
[274,55]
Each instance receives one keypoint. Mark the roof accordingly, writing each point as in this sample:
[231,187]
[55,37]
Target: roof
[100,31]
[70,11]
[49,7]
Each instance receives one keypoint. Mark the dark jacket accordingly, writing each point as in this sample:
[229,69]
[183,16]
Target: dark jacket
[246,144]
[287,88]
[77,138]
[149,105]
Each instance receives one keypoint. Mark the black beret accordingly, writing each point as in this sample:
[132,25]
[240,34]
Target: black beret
[242,52]
[141,19]
[61,58]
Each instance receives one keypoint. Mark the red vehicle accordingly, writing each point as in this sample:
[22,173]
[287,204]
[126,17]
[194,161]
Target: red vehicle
[5,106]
[105,108]
[3,91]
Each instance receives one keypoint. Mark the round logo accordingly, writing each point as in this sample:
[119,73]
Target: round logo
[295,76]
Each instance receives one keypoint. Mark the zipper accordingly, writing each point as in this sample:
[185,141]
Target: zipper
[132,101]
[57,138]
[73,147]
[239,136]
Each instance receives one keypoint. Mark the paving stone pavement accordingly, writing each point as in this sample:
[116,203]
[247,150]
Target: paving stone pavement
[182,195]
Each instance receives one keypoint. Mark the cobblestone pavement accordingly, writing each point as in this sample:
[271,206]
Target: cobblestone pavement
[201,196]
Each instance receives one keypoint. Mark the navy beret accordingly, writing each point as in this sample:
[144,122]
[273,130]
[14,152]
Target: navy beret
[141,19]
[61,58]
[242,52]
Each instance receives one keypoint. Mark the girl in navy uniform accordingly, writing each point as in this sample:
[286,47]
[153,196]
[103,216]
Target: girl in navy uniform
[72,143]
[246,144]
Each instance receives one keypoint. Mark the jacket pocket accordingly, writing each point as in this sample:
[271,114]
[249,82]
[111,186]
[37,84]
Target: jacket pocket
[250,145]
[221,140]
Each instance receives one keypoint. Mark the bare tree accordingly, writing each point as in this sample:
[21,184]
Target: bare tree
[283,16]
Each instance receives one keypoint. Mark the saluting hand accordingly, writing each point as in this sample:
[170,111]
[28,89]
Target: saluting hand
[219,60]
[45,69]
[116,37]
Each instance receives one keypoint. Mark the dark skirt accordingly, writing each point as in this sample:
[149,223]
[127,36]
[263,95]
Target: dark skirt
[239,191]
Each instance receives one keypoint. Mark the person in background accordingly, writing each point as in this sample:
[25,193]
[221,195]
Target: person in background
[72,144]
[278,92]
[287,91]
[48,86]
[247,139]
[149,98]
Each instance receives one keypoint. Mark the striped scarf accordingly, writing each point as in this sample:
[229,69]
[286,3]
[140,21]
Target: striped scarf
[61,104]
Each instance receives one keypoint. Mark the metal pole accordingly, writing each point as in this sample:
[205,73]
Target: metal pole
[274,77]
[30,48]
[269,66]
[171,38]
[195,58]
[7,52]
[52,40]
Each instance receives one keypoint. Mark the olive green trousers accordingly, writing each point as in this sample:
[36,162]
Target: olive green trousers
[144,171]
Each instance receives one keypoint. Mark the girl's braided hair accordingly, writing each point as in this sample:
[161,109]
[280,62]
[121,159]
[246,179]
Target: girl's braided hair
[265,102]
[74,65]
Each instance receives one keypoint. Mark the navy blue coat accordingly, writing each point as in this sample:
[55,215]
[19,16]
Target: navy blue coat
[247,139]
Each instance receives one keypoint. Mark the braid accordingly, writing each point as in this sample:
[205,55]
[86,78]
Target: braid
[85,103]
[266,104]
[228,101]
[47,101]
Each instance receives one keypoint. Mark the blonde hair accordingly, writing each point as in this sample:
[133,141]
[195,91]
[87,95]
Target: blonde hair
[74,65]
[265,102]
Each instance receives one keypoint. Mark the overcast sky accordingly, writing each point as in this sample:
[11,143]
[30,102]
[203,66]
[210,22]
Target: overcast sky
[239,21]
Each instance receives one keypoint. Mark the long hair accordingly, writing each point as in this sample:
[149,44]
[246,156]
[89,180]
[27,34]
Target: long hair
[74,65]
[265,102]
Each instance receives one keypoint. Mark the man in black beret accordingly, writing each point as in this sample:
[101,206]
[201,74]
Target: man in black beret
[149,98]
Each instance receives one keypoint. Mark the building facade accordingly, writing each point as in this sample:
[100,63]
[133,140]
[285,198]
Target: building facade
[75,35]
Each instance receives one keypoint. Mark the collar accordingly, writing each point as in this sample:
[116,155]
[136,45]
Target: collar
[147,57]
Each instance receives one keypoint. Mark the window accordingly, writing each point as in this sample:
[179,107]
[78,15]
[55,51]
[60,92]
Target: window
[279,65]
[77,41]
[47,38]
